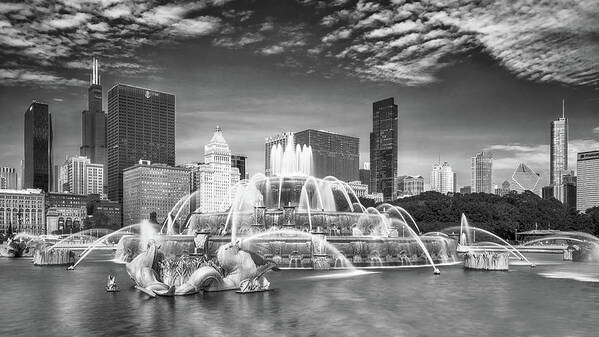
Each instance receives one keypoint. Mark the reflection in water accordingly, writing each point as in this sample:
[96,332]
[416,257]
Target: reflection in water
[50,301]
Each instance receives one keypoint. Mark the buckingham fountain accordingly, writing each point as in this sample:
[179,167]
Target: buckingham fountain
[298,221]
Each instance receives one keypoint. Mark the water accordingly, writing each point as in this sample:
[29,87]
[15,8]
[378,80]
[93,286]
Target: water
[555,299]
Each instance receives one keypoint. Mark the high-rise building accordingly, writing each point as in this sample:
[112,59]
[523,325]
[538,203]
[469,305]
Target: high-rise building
[409,185]
[443,178]
[270,142]
[558,149]
[150,188]
[587,184]
[93,123]
[215,178]
[8,178]
[37,166]
[482,173]
[332,154]
[141,125]
[525,179]
[23,210]
[384,147]
[78,175]
[240,162]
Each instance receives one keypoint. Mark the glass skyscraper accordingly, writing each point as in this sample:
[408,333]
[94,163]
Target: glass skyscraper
[482,173]
[141,125]
[93,123]
[384,147]
[559,150]
[37,166]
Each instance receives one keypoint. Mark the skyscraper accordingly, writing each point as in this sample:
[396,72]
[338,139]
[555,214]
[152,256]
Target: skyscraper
[332,154]
[93,123]
[384,147]
[482,173]
[215,179]
[443,178]
[37,166]
[141,125]
[587,189]
[8,178]
[558,149]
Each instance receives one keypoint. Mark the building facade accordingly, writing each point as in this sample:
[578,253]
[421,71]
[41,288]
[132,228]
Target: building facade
[214,180]
[23,211]
[150,188]
[359,188]
[79,175]
[66,212]
[141,125]
[38,164]
[587,184]
[240,162]
[384,147]
[525,179]
[9,178]
[103,213]
[482,173]
[93,123]
[270,142]
[332,154]
[558,164]
[409,185]
[443,178]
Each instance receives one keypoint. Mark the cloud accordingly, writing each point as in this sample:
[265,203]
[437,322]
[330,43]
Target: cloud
[596,129]
[17,77]
[406,43]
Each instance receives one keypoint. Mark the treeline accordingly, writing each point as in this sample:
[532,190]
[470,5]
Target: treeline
[502,215]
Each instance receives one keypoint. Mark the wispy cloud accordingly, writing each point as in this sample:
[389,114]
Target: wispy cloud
[398,41]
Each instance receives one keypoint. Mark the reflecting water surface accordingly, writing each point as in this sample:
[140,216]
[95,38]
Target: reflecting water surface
[554,299]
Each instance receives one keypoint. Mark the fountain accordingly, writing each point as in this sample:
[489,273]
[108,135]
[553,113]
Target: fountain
[303,222]
[484,254]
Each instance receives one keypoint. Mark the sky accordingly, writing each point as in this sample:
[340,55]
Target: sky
[467,76]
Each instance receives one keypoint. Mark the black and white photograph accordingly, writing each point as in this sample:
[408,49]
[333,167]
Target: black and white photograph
[299,168]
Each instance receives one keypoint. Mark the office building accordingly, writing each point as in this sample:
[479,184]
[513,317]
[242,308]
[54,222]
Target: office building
[103,213]
[443,179]
[93,124]
[150,188]
[465,190]
[79,175]
[482,173]
[271,142]
[587,184]
[240,162]
[66,212]
[141,125]
[215,179]
[23,211]
[38,164]
[9,178]
[384,147]
[332,154]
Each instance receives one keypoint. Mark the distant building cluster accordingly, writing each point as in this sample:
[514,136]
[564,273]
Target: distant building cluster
[126,170]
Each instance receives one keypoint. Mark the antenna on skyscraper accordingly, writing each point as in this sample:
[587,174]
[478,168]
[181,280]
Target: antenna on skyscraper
[563,108]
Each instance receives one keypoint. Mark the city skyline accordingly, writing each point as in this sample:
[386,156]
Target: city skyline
[245,89]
